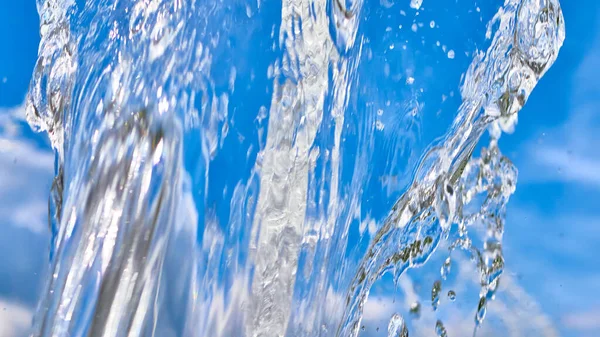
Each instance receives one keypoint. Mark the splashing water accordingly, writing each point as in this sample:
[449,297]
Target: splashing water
[213,161]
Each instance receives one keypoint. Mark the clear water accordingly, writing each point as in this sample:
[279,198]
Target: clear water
[261,169]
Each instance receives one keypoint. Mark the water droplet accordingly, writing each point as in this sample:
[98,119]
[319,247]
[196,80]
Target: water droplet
[445,270]
[415,309]
[386,3]
[432,24]
[416,4]
[435,294]
[451,295]
[451,54]
[397,327]
[440,330]
[481,309]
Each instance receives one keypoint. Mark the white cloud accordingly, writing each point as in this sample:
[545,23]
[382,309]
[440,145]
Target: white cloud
[570,153]
[17,112]
[571,167]
[514,312]
[378,308]
[15,319]
[587,321]
[25,175]
[554,252]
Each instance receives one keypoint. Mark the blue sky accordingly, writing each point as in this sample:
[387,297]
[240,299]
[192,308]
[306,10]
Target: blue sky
[552,238]
[553,220]
[26,165]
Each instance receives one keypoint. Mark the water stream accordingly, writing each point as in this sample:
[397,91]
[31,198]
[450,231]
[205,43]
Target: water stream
[253,169]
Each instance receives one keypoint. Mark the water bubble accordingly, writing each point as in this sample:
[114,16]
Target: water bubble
[451,295]
[432,24]
[324,328]
[451,54]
